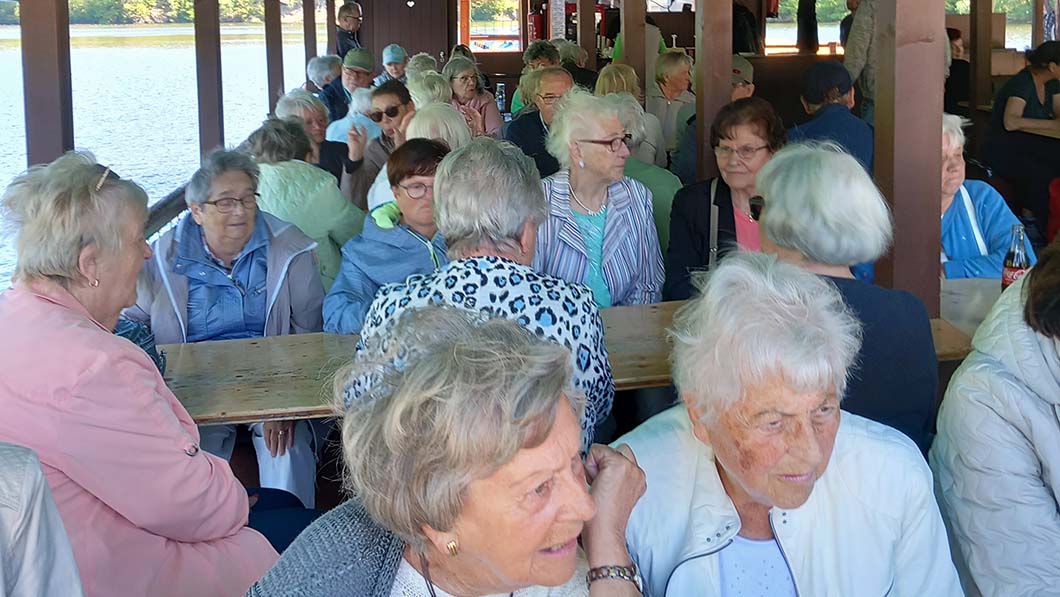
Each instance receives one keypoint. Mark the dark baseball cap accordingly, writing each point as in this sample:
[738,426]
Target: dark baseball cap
[824,77]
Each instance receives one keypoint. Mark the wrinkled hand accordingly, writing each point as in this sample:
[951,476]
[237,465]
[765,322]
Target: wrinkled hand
[616,484]
[475,121]
[356,139]
[400,133]
[279,436]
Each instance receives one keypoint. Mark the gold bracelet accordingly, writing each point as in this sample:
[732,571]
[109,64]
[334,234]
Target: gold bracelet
[626,573]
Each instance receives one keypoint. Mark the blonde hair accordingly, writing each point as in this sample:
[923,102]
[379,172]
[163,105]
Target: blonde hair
[617,78]
[670,62]
[429,88]
[56,210]
[296,101]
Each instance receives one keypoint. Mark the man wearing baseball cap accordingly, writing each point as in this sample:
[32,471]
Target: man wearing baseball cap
[828,96]
[357,69]
[395,58]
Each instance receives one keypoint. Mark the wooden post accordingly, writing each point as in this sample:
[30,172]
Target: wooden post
[713,74]
[45,26]
[807,24]
[274,51]
[587,30]
[208,75]
[909,81]
[309,29]
[632,18]
[465,22]
[333,37]
[1037,23]
[980,53]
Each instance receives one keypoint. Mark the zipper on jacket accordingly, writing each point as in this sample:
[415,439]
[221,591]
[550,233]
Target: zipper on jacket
[695,557]
[783,554]
[428,244]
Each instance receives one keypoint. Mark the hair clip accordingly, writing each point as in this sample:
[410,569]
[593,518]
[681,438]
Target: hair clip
[102,179]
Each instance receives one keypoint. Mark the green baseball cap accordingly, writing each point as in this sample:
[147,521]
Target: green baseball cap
[359,58]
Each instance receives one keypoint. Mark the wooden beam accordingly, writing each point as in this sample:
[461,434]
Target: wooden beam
[909,40]
[713,72]
[587,30]
[1037,23]
[274,51]
[980,54]
[45,27]
[465,22]
[333,37]
[208,75]
[632,18]
[309,29]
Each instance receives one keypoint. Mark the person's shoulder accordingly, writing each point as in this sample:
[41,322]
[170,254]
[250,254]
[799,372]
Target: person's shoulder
[664,438]
[874,303]
[981,191]
[878,463]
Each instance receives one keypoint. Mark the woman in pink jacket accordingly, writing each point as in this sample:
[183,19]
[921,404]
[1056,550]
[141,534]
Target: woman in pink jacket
[147,512]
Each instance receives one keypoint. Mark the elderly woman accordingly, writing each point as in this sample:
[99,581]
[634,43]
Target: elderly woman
[529,131]
[712,218]
[147,512]
[593,205]
[419,65]
[758,484]
[392,109]
[464,51]
[477,105]
[621,78]
[539,54]
[976,221]
[430,88]
[490,237]
[670,92]
[999,442]
[321,70]
[392,246]
[304,107]
[296,192]
[824,214]
[480,490]
[228,271]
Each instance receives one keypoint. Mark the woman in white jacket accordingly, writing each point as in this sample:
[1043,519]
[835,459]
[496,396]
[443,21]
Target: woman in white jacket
[998,445]
[759,484]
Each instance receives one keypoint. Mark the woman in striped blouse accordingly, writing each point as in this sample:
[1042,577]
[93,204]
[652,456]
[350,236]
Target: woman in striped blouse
[600,230]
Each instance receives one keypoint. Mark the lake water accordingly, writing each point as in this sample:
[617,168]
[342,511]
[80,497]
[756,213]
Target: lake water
[134,96]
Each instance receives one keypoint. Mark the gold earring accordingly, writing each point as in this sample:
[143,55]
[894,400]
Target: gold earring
[95,283]
[453,548]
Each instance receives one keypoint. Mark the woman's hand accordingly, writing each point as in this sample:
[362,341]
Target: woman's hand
[616,484]
[475,121]
[356,139]
[279,436]
[400,135]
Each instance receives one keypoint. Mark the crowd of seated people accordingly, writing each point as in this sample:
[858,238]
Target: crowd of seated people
[473,415]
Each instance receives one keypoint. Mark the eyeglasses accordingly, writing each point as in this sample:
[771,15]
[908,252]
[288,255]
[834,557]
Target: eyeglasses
[744,153]
[391,112]
[417,190]
[228,204]
[466,79]
[548,100]
[352,18]
[757,203]
[612,145]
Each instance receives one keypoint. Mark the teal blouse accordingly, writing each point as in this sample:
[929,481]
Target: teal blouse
[592,229]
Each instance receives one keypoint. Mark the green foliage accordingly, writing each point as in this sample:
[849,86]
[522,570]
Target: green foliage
[242,10]
[494,10]
[97,12]
[114,12]
[8,13]
[832,11]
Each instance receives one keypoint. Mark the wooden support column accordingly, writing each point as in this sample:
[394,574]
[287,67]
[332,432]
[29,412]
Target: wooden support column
[632,18]
[333,38]
[980,54]
[274,51]
[713,74]
[45,26]
[909,83]
[309,29]
[587,30]
[208,75]
[465,22]
[1037,22]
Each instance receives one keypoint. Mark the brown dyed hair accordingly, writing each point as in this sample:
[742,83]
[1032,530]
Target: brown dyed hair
[1041,293]
[416,157]
[753,111]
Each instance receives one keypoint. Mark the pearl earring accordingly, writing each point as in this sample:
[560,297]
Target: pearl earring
[95,283]
[581,163]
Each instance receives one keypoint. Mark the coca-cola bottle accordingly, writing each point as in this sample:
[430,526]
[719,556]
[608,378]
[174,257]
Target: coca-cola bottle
[1016,261]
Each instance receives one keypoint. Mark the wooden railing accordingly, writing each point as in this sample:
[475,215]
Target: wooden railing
[164,212]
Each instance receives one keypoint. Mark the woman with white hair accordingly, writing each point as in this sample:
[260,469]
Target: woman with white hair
[477,105]
[490,238]
[430,88]
[321,70]
[669,92]
[419,65]
[595,210]
[976,221]
[758,484]
[146,511]
[824,214]
[464,463]
[330,156]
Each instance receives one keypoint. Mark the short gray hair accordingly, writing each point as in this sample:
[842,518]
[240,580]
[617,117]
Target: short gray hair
[469,210]
[442,122]
[459,64]
[570,52]
[759,319]
[319,67]
[575,111]
[361,100]
[419,65]
[56,210]
[453,399]
[430,88]
[296,101]
[541,49]
[215,164]
[278,140]
[820,202]
[671,62]
[953,129]
[632,116]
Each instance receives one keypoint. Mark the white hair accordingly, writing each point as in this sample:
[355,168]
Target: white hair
[576,111]
[633,120]
[571,52]
[215,164]
[953,129]
[820,202]
[361,100]
[319,67]
[430,88]
[419,65]
[469,210]
[757,321]
[440,121]
[670,62]
[296,101]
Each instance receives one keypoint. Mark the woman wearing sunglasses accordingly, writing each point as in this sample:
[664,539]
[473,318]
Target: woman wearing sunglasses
[392,109]
[713,217]
[595,211]
[477,105]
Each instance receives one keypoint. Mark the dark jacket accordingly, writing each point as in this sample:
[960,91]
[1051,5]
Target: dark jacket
[527,132]
[334,157]
[689,249]
[334,97]
[346,41]
[583,77]
[837,124]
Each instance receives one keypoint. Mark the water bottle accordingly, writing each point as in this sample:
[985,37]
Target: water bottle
[500,97]
[1016,261]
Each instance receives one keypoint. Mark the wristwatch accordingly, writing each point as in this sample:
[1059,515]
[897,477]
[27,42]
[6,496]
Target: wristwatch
[627,573]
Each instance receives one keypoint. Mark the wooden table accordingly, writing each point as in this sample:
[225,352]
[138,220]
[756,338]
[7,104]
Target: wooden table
[286,377]
[966,302]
